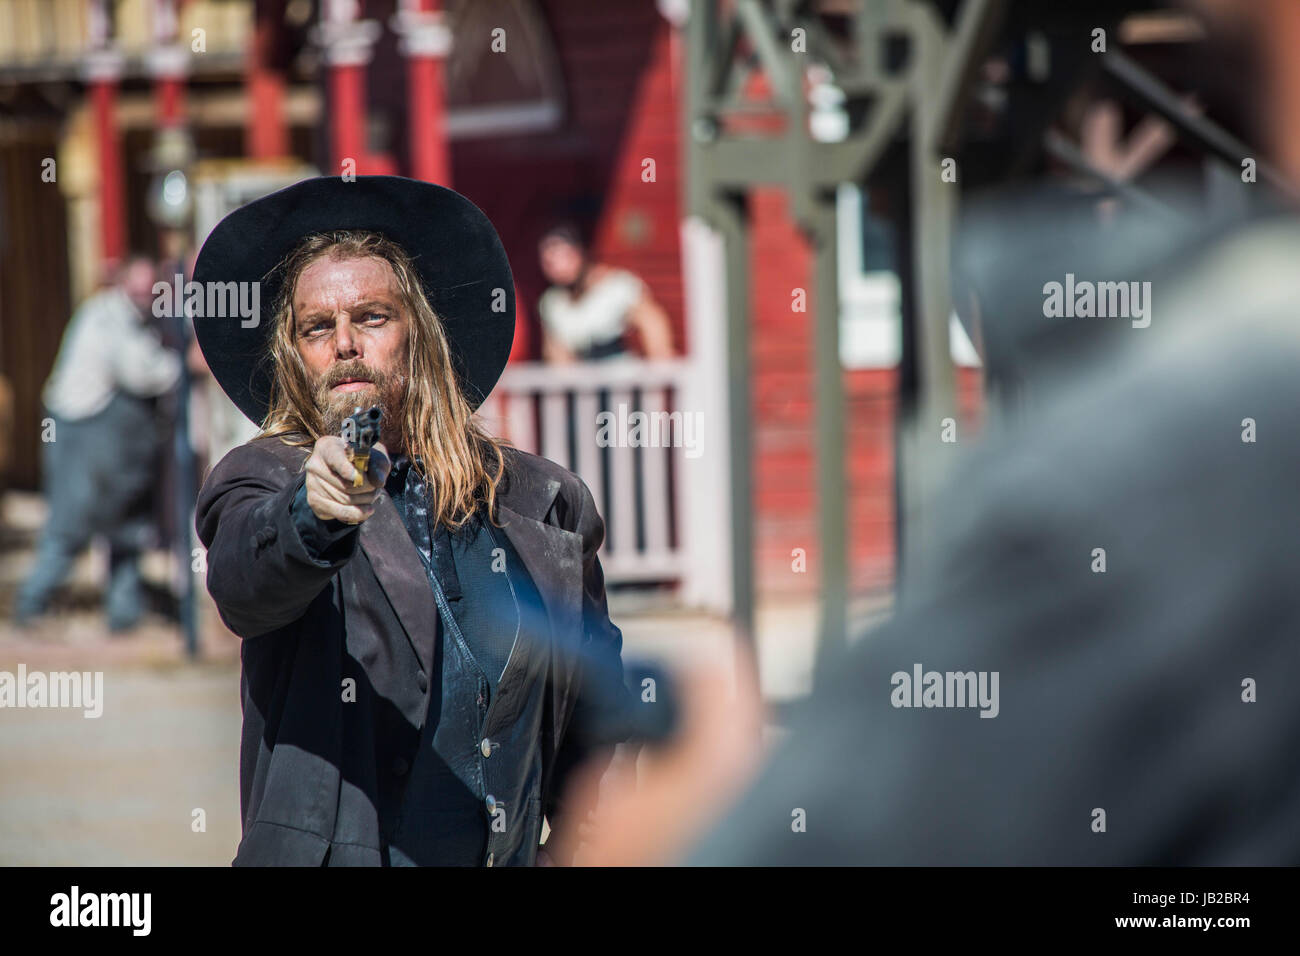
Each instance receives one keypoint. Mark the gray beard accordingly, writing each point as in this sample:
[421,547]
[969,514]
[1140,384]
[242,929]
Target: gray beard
[335,409]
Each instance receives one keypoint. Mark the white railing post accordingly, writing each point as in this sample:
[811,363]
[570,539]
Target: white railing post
[639,432]
[654,475]
[705,540]
[585,409]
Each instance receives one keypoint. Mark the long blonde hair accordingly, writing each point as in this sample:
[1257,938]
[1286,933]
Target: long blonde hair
[460,462]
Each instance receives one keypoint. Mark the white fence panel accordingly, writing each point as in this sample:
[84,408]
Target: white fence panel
[609,423]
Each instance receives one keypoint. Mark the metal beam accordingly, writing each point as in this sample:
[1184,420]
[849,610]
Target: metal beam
[724,80]
[701,42]
[977,25]
[730,214]
[1056,145]
[758,24]
[933,208]
[727,211]
[724,167]
[734,162]
[828,378]
[851,159]
[1194,128]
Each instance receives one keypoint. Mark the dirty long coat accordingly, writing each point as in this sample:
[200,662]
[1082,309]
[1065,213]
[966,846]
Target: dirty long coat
[313,769]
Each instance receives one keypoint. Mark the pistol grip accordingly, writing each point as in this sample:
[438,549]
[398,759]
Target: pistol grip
[361,463]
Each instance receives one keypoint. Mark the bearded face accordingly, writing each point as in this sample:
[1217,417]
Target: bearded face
[351,329]
[352,384]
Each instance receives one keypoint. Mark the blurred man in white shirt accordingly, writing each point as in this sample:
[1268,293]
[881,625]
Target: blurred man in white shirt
[98,466]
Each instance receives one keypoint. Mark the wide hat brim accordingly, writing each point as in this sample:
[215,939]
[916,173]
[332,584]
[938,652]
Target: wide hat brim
[459,257]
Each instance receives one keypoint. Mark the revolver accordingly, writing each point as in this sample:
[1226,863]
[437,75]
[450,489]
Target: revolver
[361,431]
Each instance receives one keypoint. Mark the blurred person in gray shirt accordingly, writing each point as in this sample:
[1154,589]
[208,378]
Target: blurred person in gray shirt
[1120,553]
[99,457]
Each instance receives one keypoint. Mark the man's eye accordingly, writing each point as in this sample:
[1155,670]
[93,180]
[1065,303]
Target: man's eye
[376,317]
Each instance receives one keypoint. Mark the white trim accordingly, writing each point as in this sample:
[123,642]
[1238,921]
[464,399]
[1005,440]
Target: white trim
[871,302]
[622,372]
[505,118]
[168,61]
[99,65]
[347,43]
[705,481]
[422,33]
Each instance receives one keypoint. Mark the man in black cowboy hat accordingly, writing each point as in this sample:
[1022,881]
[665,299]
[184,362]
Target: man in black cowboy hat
[427,649]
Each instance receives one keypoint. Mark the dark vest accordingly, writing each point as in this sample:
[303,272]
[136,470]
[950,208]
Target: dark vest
[458,805]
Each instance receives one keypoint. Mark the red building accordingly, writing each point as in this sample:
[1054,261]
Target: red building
[536,110]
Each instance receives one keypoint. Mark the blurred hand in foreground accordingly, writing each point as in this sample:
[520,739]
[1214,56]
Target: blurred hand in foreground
[652,818]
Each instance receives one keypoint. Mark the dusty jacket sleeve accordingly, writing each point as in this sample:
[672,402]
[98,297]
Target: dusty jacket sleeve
[261,574]
[599,719]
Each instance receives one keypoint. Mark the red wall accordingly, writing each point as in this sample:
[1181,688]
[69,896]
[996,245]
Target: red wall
[784,440]
[617,64]
[618,61]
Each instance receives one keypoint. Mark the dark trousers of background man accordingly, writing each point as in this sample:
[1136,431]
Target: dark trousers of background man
[97,476]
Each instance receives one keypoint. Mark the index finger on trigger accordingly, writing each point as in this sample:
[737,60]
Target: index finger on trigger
[336,458]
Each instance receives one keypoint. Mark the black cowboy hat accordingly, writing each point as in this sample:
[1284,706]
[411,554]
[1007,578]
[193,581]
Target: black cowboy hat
[458,255]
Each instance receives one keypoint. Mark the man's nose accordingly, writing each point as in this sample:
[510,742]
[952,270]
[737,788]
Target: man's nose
[345,343]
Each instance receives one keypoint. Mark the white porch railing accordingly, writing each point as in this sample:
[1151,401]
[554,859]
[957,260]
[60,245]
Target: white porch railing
[635,476]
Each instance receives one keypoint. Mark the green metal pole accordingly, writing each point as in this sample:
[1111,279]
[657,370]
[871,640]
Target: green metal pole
[828,376]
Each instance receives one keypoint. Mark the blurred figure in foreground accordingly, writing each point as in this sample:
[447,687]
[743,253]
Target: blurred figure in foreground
[590,307]
[1158,691]
[1145,711]
[100,456]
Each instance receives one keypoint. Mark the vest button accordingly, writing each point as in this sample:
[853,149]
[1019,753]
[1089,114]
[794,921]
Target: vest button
[400,766]
[491,858]
[491,802]
[485,747]
[422,682]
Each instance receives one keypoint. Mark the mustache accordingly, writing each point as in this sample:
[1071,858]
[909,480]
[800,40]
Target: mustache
[389,386]
[355,371]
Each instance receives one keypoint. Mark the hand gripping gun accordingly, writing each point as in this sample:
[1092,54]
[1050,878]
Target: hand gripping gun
[361,431]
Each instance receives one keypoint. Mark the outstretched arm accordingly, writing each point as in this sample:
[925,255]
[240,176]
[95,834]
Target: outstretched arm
[274,538]
[649,319]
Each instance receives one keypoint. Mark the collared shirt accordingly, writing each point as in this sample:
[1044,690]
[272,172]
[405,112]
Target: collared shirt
[470,565]
[106,349]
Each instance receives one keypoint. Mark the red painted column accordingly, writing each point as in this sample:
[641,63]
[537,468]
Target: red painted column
[103,68]
[347,43]
[266,136]
[169,100]
[168,65]
[426,42]
[347,114]
[112,201]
